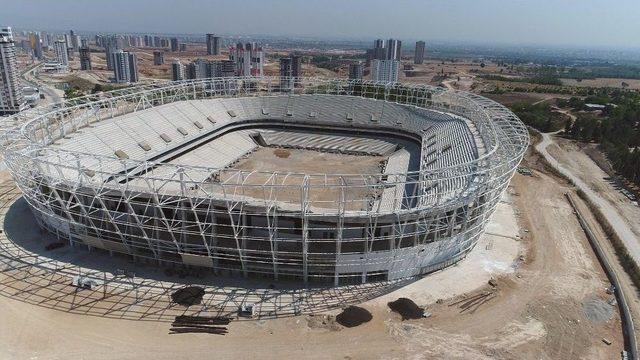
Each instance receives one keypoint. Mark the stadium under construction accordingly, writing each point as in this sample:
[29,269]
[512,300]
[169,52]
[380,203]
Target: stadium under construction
[331,181]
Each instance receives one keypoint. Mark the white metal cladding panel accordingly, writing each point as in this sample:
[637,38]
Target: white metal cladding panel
[402,262]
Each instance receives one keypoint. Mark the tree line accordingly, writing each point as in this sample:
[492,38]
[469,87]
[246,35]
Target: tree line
[616,128]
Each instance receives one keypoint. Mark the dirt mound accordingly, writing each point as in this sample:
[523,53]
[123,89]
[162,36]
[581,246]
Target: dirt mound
[282,153]
[597,310]
[323,322]
[406,308]
[353,316]
[187,296]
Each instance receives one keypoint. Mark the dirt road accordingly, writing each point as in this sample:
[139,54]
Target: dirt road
[587,176]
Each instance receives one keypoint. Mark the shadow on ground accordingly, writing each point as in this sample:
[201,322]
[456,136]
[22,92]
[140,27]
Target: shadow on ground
[32,274]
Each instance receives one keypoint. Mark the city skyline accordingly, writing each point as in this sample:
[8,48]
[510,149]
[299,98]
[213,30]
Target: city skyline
[490,22]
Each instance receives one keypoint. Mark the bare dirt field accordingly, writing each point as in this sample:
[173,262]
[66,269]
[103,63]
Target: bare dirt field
[538,312]
[510,98]
[573,156]
[633,84]
[294,164]
[547,301]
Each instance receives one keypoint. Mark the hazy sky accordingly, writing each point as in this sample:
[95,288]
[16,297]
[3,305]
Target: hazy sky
[611,23]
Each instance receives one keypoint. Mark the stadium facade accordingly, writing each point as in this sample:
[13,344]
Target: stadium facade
[163,172]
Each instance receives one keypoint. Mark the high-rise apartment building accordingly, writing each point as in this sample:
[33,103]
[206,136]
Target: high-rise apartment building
[125,66]
[379,51]
[158,57]
[62,53]
[75,41]
[112,44]
[6,32]
[214,43]
[257,60]
[418,57]
[394,49]
[85,58]
[296,66]
[198,69]
[290,70]
[175,45]
[249,59]
[11,97]
[243,59]
[36,45]
[285,73]
[222,68]
[44,39]
[178,71]
[356,71]
[385,70]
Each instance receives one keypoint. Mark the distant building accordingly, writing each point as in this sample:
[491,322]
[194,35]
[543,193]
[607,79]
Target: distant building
[136,41]
[174,44]
[125,66]
[178,71]
[290,71]
[45,39]
[385,70]
[198,69]
[356,71]
[11,96]
[222,68]
[418,57]
[26,46]
[242,58]
[158,57]
[379,51]
[36,45]
[257,61]
[62,52]
[296,66]
[111,45]
[183,47]
[201,69]
[214,44]
[394,49]
[108,52]
[75,41]
[248,59]
[85,58]
[5,31]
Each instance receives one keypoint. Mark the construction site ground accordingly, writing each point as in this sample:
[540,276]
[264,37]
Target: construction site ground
[547,299]
[573,156]
[324,191]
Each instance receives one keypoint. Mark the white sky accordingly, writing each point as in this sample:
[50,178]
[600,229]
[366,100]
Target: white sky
[583,23]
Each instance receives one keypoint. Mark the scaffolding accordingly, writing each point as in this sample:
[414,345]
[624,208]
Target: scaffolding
[268,223]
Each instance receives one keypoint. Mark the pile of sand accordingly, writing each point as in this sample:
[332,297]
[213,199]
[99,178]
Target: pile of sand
[406,308]
[282,153]
[189,295]
[353,316]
